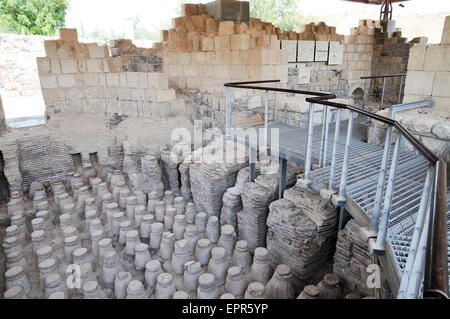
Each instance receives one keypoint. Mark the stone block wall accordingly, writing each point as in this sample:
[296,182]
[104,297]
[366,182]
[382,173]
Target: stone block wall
[358,54]
[429,75]
[85,78]
[207,54]
[390,56]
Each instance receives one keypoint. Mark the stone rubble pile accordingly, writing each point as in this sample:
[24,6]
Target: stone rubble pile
[256,197]
[301,232]
[210,179]
[352,259]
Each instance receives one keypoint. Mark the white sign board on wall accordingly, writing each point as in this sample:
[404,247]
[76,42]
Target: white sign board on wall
[336,53]
[305,51]
[321,51]
[291,46]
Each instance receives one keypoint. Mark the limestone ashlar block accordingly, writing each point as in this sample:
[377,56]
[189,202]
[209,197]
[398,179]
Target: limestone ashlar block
[441,86]
[143,80]
[274,56]
[82,65]
[182,45]
[199,57]
[208,71]
[101,80]
[55,66]
[51,48]
[158,80]
[240,42]
[211,25]
[237,72]
[48,82]
[184,58]
[165,95]
[175,70]
[417,57]
[90,79]
[437,58]
[171,58]
[259,56]
[69,66]
[241,28]
[123,80]
[68,35]
[445,39]
[66,80]
[200,22]
[94,65]
[164,36]
[106,65]
[190,70]
[133,79]
[43,65]
[268,72]
[253,72]
[226,28]
[419,83]
[282,73]
[96,51]
[234,57]
[188,9]
[222,42]
[207,44]
[222,71]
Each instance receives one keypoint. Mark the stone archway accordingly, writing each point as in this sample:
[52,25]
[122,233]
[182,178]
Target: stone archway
[357,96]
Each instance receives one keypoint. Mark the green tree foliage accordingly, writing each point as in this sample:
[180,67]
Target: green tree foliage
[284,14]
[33,16]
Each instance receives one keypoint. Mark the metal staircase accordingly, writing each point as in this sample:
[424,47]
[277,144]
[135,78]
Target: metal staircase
[397,190]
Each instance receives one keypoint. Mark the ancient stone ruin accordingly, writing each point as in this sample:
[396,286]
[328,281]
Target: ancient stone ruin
[109,192]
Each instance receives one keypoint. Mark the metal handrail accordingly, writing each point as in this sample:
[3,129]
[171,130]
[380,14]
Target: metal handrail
[323,99]
[384,77]
[436,268]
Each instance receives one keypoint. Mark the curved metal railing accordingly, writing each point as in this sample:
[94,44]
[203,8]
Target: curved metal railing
[426,270]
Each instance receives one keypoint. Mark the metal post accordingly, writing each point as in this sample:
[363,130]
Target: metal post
[266,121]
[382,94]
[382,230]
[325,150]
[309,142]
[400,90]
[416,236]
[228,110]
[282,186]
[322,140]
[275,113]
[436,267]
[374,134]
[363,103]
[335,145]
[381,178]
[418,268]
[285,115]
[252,164]
[343,183]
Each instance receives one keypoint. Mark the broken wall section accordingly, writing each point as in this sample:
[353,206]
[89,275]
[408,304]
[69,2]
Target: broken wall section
[84,78]
[390,56]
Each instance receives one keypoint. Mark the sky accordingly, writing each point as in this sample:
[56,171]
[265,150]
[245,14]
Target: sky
[110,14]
